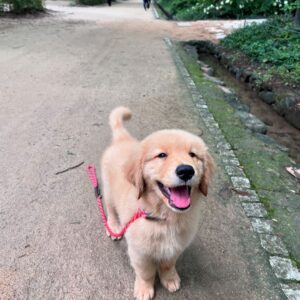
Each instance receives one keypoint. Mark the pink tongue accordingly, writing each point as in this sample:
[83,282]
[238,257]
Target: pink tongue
[180,196]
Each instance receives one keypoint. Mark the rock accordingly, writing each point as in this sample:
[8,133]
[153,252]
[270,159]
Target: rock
[270,141]
[278,109]
[239,73]
[242,107]
[268,122]
[208,70]
[253,78]
[273,244]
[220,35]
[202,64]
[284,268]
[265,138]
[267,96]
[287,102]
[232,97]
[251,122]
[246,75]
[293,116]
[286,105]
[225,90]
[214,79]
[218,55]
[242,115]
[233,70]
[192,50]
[234,101]
[224,60]
[254,210]
[261,226]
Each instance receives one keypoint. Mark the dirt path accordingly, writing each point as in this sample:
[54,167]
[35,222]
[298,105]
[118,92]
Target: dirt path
[137,19]
[60,76]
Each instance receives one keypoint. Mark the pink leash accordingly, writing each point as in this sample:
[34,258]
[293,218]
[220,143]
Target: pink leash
[139,214]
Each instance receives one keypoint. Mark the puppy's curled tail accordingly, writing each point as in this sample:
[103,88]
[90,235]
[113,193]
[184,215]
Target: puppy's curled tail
[116,118]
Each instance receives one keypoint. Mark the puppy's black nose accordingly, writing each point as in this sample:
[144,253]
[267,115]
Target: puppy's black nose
[185,172]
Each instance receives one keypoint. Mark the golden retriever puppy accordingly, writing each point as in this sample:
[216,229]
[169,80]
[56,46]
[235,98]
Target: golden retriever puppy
[164,175]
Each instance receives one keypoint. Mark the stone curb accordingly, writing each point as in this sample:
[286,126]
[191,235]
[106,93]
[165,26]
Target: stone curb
[165,13]
[156,15]
[282,266]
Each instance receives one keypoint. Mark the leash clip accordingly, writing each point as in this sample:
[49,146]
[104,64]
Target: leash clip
[97,192]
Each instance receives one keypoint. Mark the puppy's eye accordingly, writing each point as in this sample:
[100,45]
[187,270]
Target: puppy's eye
[162,155]
[192,154]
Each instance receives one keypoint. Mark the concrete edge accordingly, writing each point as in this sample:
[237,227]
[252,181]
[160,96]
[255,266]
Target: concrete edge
[282,266]
[155,13]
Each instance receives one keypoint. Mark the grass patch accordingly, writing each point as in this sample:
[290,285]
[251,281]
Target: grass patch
[275,44]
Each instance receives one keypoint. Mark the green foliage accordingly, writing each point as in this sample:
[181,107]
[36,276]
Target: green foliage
[203,9]
[91,2]
[21,6]
[275,43]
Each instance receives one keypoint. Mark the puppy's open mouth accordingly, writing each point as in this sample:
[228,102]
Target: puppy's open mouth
[179,197]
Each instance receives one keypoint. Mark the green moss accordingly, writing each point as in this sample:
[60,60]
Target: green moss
[193,69]
[267,204]
[296,261]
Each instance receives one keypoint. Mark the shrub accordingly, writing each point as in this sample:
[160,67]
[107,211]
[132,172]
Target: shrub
[91,2]
[21,6]
[275,43]
[203,9]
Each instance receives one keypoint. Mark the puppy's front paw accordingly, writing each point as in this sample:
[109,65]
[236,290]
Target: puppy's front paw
[143,290]
[171,283]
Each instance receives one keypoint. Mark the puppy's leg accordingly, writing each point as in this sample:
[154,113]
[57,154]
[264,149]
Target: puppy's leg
[145,270]
[112,219]
[168,275]
[144,281]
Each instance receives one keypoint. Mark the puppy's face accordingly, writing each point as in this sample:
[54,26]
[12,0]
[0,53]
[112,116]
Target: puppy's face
[174,165]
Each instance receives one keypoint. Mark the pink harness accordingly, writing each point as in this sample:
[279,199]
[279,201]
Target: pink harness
[139,214]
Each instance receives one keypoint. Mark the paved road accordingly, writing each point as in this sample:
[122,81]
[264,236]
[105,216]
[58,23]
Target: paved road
[60,77]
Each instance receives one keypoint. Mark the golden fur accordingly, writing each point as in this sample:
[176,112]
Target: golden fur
[131,171]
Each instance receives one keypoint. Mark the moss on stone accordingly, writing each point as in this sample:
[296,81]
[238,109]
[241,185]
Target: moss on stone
[267,204]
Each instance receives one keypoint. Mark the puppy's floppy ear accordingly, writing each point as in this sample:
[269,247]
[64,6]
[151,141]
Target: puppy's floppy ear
[134,173]
[209,166]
